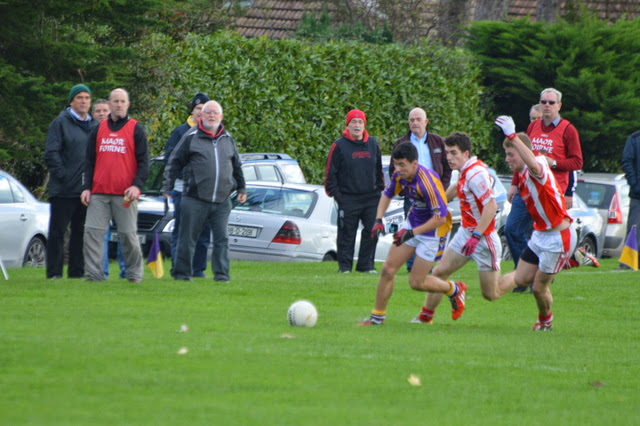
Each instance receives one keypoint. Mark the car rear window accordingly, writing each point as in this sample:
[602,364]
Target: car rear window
[293,173]
[279,201]
[596,195]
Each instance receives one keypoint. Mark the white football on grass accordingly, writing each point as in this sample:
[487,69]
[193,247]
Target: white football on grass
[302,314]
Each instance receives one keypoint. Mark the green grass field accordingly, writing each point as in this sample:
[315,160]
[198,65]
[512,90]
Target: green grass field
[73,352]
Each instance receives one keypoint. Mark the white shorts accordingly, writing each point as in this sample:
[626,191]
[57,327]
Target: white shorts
[488,252]
[428,248]
[553,249]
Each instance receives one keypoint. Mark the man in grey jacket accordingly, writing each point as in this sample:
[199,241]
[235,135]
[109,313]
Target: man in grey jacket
[212,170]
[64,155]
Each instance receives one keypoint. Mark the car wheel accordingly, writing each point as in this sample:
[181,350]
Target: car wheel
[506,253]
[329,257]
[36,254]
[588,244]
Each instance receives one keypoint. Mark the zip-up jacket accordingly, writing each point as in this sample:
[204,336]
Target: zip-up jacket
[211,166]
[631,164]
[354,169]
[65,152]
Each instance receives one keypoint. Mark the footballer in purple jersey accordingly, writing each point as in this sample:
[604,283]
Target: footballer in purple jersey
[428,223]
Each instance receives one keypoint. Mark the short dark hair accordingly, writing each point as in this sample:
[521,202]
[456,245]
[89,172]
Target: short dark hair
[405,150]
[459,139]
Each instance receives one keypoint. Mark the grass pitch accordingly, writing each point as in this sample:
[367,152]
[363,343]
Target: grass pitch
[74,352]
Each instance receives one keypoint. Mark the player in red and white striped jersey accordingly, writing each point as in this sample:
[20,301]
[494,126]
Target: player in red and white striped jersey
[477,238]
[552,241]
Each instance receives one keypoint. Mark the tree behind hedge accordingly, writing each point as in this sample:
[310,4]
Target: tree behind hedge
[595,64]
[291,96]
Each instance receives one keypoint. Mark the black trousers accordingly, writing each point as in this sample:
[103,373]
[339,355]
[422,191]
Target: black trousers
[350,213]
[65,211]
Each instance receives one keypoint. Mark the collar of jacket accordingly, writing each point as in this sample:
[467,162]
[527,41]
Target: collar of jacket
[208,133]
[346,134]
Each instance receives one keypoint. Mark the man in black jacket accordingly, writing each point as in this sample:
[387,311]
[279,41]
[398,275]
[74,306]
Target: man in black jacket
[353,177]
[64,155]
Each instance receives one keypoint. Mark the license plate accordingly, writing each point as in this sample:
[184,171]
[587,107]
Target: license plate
[141,238]
[242,231]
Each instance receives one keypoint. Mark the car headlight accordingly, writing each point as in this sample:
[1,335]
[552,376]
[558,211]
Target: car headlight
[169,226]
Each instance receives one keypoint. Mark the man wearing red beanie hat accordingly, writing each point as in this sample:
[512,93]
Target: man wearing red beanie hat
[353,177]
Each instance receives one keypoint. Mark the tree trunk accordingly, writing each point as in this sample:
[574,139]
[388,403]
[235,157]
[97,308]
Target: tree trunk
[491,10]
[548,10]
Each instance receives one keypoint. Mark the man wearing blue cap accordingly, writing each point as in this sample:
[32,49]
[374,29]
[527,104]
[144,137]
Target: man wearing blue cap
[64,155]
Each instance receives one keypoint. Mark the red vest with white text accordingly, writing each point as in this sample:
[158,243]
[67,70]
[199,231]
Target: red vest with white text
[116,164]
[552,144]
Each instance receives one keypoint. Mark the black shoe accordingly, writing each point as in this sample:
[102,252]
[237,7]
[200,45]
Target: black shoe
[222,280]
[519,289]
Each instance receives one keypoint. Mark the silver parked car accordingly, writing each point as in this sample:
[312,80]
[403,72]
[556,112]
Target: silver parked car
[24,225]
[288,222]
[608,193]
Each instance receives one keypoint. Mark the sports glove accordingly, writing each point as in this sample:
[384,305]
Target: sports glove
[471,245]
[402,236]
[507,125]
[377,229]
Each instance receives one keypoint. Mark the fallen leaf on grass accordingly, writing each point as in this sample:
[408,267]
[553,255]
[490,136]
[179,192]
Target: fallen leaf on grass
[183,351]
[184,328]
[597,384]
[414,380]
[288,336]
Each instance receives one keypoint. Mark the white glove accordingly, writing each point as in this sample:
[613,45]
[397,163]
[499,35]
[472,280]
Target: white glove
[507,125]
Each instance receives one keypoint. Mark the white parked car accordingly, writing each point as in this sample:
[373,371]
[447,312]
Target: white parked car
[288,222]
[24,225]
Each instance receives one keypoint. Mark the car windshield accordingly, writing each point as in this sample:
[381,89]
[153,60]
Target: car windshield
[597,195]
[280,201]
[293,173]
[153,185]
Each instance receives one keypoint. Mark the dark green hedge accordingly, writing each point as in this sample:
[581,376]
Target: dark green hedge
[291,96]
[595,64]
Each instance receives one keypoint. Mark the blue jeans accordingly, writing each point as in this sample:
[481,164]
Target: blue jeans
[194,215]
[518,227]
[105,258]
[202,245]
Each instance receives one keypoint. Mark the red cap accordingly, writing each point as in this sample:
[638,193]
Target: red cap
[356,113]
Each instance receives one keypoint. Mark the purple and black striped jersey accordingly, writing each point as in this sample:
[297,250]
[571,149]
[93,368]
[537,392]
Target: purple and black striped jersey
[427,197]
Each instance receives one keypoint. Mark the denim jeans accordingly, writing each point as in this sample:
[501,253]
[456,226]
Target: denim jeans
[202,245]
[193,216]
[518,227]
[105,258]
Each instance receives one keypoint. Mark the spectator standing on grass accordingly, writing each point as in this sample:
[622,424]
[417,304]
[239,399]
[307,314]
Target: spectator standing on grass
[202,244]
[212,170]
[421,233]
[354,178]
[116,169]
[64,155]
[631,167]
[100,113]
[431,154]
[552,241]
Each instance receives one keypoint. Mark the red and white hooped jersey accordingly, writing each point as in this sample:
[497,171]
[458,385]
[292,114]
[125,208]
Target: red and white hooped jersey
[542,197]
[474,191]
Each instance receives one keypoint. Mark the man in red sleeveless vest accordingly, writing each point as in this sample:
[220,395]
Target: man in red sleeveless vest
[116,168]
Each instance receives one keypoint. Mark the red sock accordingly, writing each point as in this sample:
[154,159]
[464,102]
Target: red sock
[545,319]
[426,314]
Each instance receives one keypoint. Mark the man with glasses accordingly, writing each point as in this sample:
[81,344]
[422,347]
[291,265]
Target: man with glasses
[558,141]
[212,171]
